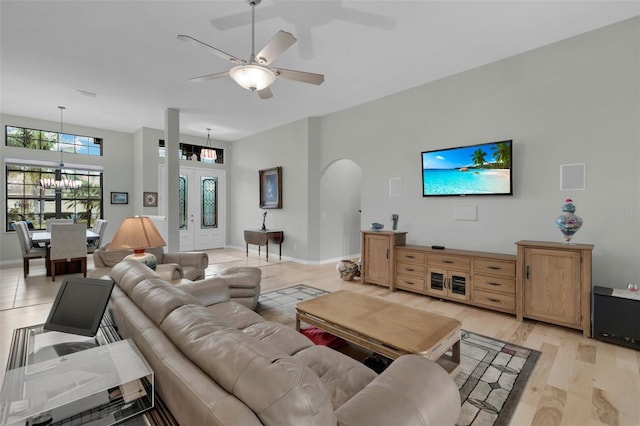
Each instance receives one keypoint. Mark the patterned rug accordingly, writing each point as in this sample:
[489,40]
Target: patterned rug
[492,376]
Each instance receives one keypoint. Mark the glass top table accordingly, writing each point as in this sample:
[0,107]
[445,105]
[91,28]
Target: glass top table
[60,378]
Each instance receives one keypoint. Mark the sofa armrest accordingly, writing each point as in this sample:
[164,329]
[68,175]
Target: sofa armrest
[411,391]
[169,271]
[208,291]
[196,259]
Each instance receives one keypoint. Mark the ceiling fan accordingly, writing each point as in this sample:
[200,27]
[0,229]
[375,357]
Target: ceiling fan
[254,74]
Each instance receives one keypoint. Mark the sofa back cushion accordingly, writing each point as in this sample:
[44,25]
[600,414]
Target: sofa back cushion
[151,294]
[157,298]
[127,274]
[279,389]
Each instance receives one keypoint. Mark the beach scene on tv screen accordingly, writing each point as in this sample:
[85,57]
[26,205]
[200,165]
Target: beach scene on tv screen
[478,169]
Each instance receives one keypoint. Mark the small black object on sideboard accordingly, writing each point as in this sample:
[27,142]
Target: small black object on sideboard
[616,317]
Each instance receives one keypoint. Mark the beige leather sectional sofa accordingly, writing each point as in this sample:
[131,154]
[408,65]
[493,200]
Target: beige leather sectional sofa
[217,362]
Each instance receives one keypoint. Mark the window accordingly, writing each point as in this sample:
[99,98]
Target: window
[28,201]
[52,141]
[187,150]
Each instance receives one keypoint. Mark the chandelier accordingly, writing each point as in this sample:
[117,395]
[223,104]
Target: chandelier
[208,154]
[60,181]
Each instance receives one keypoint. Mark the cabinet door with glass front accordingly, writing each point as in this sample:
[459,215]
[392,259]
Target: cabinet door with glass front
[450,284]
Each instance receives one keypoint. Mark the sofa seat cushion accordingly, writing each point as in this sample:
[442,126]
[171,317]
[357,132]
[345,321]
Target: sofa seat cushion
[237,293]
[247,277]
[278,388]
[237,315]
[286,339]
[342,376]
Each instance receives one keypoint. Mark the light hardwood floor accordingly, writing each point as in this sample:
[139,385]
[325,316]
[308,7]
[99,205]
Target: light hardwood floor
[577,381]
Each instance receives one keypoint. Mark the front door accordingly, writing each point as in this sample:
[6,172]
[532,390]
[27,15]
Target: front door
[201,208]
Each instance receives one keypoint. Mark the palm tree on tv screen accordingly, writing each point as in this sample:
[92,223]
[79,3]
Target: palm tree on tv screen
[478,157]
[502,154]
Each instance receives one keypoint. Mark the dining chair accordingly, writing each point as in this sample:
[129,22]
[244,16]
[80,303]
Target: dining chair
[99,226]
[26,245]
[68,243]
[52,221]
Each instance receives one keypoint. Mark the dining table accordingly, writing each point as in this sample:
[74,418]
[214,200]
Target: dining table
[44,237]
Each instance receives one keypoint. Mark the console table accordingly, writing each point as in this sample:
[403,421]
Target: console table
[261,238]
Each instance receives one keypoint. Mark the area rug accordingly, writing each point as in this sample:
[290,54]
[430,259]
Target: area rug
[492,375]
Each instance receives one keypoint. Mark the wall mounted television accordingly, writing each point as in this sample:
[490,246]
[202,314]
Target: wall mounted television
[483,169]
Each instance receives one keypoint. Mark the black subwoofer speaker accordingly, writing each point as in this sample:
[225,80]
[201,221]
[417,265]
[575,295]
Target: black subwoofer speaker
[616,317]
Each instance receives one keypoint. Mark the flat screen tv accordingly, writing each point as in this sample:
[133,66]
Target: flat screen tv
[483,169]
[79,306]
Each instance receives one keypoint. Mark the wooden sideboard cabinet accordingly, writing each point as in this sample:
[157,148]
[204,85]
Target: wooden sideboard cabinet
[473,277]
[378,254]
[554,283]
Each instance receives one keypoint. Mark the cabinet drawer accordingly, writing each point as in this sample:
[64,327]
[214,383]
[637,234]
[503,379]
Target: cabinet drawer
[494,267]
[445,261]
[410,283]
[501,284]
[410,256]
[496,300]
[410,269]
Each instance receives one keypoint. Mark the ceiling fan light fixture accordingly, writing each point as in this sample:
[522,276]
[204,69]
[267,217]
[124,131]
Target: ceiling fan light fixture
[252,76]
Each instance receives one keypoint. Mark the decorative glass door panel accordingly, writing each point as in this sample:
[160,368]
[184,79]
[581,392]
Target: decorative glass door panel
[208,202]
[183,184]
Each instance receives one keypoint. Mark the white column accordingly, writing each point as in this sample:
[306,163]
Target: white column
[172,162]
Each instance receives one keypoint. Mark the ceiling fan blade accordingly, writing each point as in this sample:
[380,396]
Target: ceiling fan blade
[276,46]
[209,77]
[265,93]
[217,51]
[305,77]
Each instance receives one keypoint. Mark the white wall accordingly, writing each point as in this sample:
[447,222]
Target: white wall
[576,101]
[285,146]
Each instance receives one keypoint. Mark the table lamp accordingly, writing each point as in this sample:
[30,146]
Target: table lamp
[138,233]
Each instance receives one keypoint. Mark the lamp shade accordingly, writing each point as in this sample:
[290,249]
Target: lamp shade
[208,154]
[136,233]
[252,76]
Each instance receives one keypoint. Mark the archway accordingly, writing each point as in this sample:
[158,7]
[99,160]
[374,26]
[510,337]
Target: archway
[340,200]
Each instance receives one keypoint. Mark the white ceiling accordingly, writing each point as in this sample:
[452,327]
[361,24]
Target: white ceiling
[127,52]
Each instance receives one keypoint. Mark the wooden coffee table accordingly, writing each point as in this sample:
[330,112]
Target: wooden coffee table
[387,328]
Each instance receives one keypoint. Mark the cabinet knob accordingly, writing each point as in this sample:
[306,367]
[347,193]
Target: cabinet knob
[447,261]
[494,267]
[494,284]
[526,272]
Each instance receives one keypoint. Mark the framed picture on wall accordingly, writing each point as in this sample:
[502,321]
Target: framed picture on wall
[271,188]
[119,198]
[150,199]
